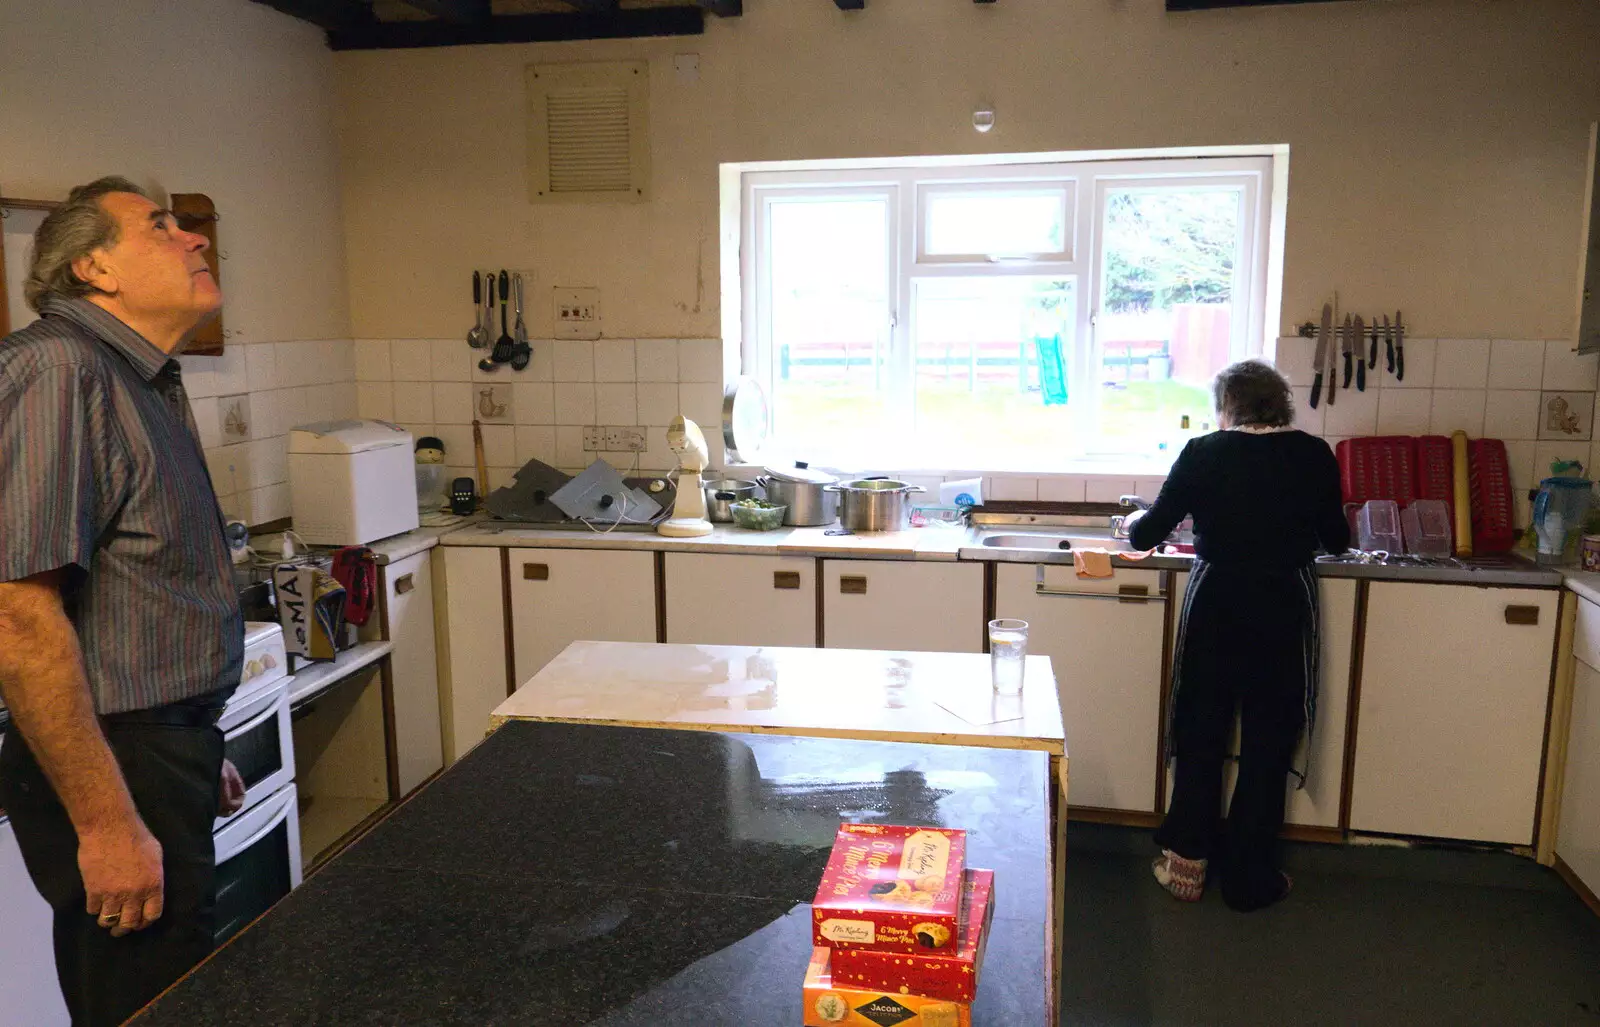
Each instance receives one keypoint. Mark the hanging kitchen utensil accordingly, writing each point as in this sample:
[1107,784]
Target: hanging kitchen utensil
[503,345]
[489,363]
[477,452]
[1399,348]
[1335,344]
[1349,348]
[1320,360]
[478,335]
[1361,358]
[1388,344]
[521,351]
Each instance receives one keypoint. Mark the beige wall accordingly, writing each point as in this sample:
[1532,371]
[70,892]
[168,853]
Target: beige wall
[1437,169]
[228,98]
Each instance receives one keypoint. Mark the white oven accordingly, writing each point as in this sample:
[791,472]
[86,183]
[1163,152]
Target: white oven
[258,860]
[258,741]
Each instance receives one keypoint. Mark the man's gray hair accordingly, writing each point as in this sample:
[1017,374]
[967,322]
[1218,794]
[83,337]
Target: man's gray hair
[75,229]
[1253,392]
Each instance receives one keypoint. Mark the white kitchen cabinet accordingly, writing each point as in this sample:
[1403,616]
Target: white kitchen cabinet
[741,600]
[470,618]
[1578,836]
[903,605]
[1317,804]
[1106,651]
[559,596]
[1455,688]
[29,993]
[407,609]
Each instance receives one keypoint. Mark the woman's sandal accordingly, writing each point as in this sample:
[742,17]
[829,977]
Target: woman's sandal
[1184,878]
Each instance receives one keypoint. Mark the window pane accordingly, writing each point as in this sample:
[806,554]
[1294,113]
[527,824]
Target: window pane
[998,224]
[829,267]
[1166,321]
[992,360]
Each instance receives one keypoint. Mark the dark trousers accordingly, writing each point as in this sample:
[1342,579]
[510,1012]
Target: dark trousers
[173,773]
[1245,650]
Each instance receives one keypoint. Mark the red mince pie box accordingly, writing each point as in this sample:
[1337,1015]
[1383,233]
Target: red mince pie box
[891,888]
[931,975]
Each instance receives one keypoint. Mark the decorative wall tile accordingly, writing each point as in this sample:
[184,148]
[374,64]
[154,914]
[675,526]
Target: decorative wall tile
[1566,415]
[493,402]
[1457,410]
[1566,370]
[233,413]
[1459,363]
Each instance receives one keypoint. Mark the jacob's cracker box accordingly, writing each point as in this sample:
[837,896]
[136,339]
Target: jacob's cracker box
[829,1004]
[892,889]
[931,974]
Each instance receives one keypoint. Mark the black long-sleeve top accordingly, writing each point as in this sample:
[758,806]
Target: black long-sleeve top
[1267,501]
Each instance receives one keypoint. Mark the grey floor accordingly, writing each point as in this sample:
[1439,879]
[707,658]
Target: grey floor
[1371,935]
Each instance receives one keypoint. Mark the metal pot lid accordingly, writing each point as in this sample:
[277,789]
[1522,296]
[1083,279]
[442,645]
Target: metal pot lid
[746,421]
[801,473]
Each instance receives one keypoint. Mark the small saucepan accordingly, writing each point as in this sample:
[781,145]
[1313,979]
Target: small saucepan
[721,494]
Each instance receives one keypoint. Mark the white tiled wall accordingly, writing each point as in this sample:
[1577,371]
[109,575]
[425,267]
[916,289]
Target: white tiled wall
[432,388]
[269,387]
[1489,388]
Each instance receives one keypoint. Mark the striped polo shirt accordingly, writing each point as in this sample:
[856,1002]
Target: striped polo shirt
[102,474]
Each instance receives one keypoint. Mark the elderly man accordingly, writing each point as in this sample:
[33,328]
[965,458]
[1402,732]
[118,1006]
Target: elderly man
[120,631]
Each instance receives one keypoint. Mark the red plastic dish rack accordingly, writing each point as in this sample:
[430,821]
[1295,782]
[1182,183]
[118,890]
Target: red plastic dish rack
[1377,467]
[1489,484]
[1436,470]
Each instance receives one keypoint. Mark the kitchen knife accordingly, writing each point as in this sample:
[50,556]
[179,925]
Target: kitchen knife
[1399,348]
[1335,343]
[1372,358]
[1321,358]
[1361,365]
[1349,349]
[1388,344]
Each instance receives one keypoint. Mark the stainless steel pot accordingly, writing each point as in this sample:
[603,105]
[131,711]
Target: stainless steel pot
[875,504]
[719,494]
[809,503]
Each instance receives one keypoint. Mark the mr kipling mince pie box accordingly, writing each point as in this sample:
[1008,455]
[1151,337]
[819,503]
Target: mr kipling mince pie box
[890,888]
[951,976]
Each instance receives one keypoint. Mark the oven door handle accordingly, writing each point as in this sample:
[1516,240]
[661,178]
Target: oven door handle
[274,707]
[285,807]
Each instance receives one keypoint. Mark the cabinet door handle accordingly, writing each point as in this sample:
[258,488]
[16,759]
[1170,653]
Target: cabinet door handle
[785,579]
[852,585]
[1522,615]
[535,572]
[404,583]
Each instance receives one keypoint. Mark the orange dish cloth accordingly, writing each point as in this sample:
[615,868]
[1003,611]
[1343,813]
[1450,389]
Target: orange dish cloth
[1092,563]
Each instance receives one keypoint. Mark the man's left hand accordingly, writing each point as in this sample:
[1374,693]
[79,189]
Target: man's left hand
[232,790]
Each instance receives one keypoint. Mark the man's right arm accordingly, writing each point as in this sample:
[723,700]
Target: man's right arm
[43,684]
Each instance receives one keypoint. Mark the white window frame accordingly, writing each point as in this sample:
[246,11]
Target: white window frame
[1260,174]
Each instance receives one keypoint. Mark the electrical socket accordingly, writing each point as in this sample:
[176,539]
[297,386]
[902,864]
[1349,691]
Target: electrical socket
[625,440]
[613,439]
[577,313]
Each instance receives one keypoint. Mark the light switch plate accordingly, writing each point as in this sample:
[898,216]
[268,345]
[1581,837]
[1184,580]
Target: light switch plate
[577,313]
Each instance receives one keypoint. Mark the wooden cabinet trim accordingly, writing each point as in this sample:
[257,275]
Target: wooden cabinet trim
[505,605]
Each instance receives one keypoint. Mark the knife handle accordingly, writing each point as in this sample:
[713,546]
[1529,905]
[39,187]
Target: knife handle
[1372,358]
[1348,370]
[1361,374]
[1316,390]
[1388,352]
[1400,364]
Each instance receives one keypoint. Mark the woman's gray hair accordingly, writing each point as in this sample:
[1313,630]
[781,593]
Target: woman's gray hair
[75,229]
[1253,392]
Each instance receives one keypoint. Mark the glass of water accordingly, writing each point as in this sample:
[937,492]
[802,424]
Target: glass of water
[1008,649]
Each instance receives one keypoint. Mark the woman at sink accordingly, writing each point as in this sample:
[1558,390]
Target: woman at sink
[1264,498]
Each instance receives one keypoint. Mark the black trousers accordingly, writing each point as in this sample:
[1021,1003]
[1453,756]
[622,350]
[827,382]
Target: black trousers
[1248,648]
[173,772]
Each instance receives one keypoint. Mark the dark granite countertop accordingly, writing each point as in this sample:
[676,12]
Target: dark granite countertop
[577,874]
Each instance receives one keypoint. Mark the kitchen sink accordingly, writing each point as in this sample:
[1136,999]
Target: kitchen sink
[1075,540]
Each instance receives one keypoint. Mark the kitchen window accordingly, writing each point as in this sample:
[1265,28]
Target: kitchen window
[1003,316]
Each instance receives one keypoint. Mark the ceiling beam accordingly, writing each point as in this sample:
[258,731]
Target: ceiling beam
[723,8]
[461,12]
[524,28]
[328,15]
